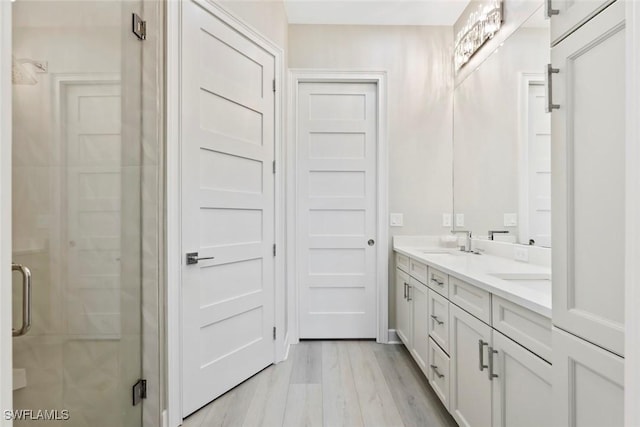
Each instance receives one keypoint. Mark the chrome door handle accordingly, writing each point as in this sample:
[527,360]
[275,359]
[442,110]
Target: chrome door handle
[371,242]
[435,369]
[26,299]
[549,106]
[491,374]
[481,345]
[549,11]
[192,258]
[438,321]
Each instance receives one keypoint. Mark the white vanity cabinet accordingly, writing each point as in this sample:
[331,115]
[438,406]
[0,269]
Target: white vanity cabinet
[588,154]
[418,298]
[521,386]
[470,339]
[570,14]
[403,307]
[588,387]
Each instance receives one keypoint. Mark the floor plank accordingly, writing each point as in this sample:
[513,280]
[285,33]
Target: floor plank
[304,406]
[268,405]
[376,402]
[417,403]
[307,363]
[340,406]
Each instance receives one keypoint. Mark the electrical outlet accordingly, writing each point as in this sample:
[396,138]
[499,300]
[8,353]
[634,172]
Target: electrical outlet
[396,219]
[520,253]
[446,220]
[510,220]
[459,220]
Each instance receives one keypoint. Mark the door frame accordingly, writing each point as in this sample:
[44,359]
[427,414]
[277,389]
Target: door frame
[297,76]
[632,217]
[525,80]
[173,247]
[6,344]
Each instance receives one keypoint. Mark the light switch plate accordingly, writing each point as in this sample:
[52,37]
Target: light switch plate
[459,220]
[396,220]
[446,220]
[521,253]
[510,220]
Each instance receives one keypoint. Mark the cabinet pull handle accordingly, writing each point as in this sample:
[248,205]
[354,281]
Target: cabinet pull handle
[409,293]
[435,370]
[439,283]
[549,11]
[481,365]
[405,290]
[548,84]
[491,374]
[438,321]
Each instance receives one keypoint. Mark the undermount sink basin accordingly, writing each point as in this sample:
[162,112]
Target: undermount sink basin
[522,276]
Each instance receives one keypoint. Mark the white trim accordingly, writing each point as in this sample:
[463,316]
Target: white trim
[525,80]
[297,76]
[6,344]
[393,337]
[632,244]
[173,201]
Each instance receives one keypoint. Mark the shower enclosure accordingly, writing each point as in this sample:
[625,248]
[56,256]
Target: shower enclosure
[78,173]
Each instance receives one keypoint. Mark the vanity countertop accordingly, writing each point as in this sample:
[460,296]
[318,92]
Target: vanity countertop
[530,289]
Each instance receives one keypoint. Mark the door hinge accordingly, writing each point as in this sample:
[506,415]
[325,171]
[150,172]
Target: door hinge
[274,249]
[274,85]
[274,332]
[274,166]
[139,391]
[139,27]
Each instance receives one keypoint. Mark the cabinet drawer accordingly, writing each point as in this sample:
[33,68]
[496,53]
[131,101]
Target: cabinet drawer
[522,325]
[472,299]
[438,372]
[418,270]
[439,319]
[402,262]
[439,282]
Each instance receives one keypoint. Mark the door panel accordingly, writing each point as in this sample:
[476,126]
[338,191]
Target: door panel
[336,145]
[227,207]
[588,154]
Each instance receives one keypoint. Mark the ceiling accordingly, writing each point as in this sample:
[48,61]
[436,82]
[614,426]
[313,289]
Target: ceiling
[374,12]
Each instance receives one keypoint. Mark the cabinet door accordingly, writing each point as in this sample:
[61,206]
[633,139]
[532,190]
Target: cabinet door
[470,400]
[522,388]
[438,372]
[571,14]
[439,319]
[420,323]
[403,308]
[588,384]
[588,175]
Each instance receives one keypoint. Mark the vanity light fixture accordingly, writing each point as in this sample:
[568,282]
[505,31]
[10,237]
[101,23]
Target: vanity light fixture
[481,26]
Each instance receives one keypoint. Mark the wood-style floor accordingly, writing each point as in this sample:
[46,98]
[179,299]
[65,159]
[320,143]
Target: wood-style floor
[331,383]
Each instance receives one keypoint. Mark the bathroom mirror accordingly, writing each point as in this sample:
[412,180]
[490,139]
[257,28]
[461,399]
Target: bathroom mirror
[501,141]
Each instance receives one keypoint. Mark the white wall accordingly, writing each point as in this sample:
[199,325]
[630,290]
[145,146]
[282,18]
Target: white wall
[417,60]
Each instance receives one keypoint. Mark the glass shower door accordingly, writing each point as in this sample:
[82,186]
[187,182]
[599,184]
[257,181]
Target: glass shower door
[77,212]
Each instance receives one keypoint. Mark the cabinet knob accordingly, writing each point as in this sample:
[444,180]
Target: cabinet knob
[371,242]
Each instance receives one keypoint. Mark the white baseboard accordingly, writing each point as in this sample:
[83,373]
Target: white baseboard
[393,337]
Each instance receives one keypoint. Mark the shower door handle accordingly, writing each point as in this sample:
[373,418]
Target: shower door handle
[26,299]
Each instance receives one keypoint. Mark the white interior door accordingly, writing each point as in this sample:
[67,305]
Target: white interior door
[93,137]
[539,158]
[337,153]
[227,192]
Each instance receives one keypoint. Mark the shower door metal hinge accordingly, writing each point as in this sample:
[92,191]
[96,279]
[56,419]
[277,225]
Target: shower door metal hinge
[139,27]
[274,332]
[139,391]
[274,85]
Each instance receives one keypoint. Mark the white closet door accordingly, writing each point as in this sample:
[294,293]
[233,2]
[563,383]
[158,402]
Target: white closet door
[227,207]
[588,164]
[336,145]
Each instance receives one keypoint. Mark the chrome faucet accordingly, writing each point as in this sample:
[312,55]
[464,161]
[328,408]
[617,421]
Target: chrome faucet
[467,246]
